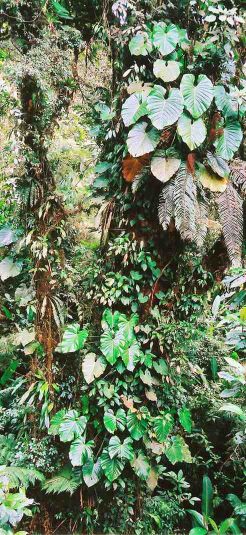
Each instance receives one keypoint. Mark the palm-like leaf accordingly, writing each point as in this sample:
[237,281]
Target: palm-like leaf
[20,477]
[64,481]
[238,175]
[185,203]
[166,204]
[231,218]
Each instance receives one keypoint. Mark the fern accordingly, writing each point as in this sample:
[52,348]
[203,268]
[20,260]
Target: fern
[238,175]
[139,180]
[64,481]
[166,204]
[202,206]
[20,477]
[185,200]
[231,218]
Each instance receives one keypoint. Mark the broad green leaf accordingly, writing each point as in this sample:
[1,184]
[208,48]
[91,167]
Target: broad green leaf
[109,420]
[73,339]
[161,367]
[218,165]
[112,468]
[166,70]
[197,517]
[229,142]
[229,525]
[164,111]
[7,236]
[192,132]
[123,450]
[72,426]
[142,139]
[56,421]
[60,10]
[140,44]
[110,319]
[185,419]
[91,472]
[130,355]
[233,409]
[120,419]
[111,345]
[178,451]
[9,268]
[133,109]
[164,168]
[198,531]
[225,102]
[141,466]
[80,451]
[197,94]
[136,425]
[211,181]
[126,324]
[92,367]
[165,37]
[207,497]
[146,377]
[163,426]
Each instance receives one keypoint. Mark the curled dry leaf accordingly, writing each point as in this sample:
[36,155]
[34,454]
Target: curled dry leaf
[131,166]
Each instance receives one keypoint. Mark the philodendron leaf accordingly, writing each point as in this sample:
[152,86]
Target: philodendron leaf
[192,132]
[225,102]
[136,425]
[73,339]
[109,421]
[168,71]
[185,419]
[133,109]
[164,168]
[140,44]
[229,142]
[197,94]
[123,450]
[111,345]
[56,421]
[92,367]
[211,181]
[218,165]
[112,468]
[72,426]
[164,111]
[178,451]
[91,473]
[141,466]
[142,139]
[163,426]
[165,37]
[9,268]
[7,236]
[80,452]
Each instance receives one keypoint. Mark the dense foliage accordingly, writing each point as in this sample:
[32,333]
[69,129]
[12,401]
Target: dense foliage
[123,308]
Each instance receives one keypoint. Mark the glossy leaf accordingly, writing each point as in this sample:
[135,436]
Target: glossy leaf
[9,268]
[165,37]
[73,339]
[72,426]
[164,110]
[112,468]
[123,450]
[178,451]
[185,419]
[163,426]
[218,165]
[197,94]
[92,367]
[164,168]
[207,497]
[141,466]
[211,181]
[136,425]
[142,139]
[168,71]
[192,132]
[230,140]
[140,44]
[80,451]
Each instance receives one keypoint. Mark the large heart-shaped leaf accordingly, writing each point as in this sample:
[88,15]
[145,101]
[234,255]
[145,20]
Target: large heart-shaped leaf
[166,70]
[162,426]
[111,345]
[142,139]
[72,426]
[165,37]
[7,236]
[164,168]
[211,181]
[140,44]
[123,450]
[229,142]
[112,468]
[92,367]
[185,419]
[109,421]
[136,425]
[73,339]
[91,473]
[141,466]
[133,109]
[80,451]
[192,132]
[225,102]
[9,268]
[218,165]
[164,111]
[197,95]
[178,451]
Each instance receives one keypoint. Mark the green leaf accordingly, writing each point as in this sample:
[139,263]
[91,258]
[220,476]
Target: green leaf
[161,367]
[92,367]
[207,497]
[121,419]
[198,531]
[185,419]
[168,71]
[197,95]
[126,325]
[72,426]
[229,142]
[140,44]
[56,421]
[225,103]
[142,139]
[234,409]
[193,133]
[165,37]
[110,320]
[229,525]
[164,168]
[112,468]
[60,10]
[9,268]
[197,517]
[80,451]
[136,425]
[91,473]
[73,339]
[141,466]
[163,426]
[130,355]
[109,421]
[133,109]
[164,111]
[178,451]
[7,236]
[122,450]
[111,345]
[218,165]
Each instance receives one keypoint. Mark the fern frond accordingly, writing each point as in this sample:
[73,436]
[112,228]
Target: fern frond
[20,477]
[64,481]
[231,218]
[139,180]
[185,200]
[238,175]
[202,207]
[166,204]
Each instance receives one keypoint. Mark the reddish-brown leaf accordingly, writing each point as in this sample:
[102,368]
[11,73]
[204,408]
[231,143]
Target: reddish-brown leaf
[132,166]
[191,160]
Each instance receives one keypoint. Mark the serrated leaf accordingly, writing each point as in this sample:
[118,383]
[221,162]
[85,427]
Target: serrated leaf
[231,218]
[185,419]
[197,94]
[164,168]
[192,132]
[123,450]
[142,139]
[178,451]
[164,111]
[9,268]
[162,426]
[73,339]
[230,140]
[168,71]
[92,367]
[140,44]
[165,37]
